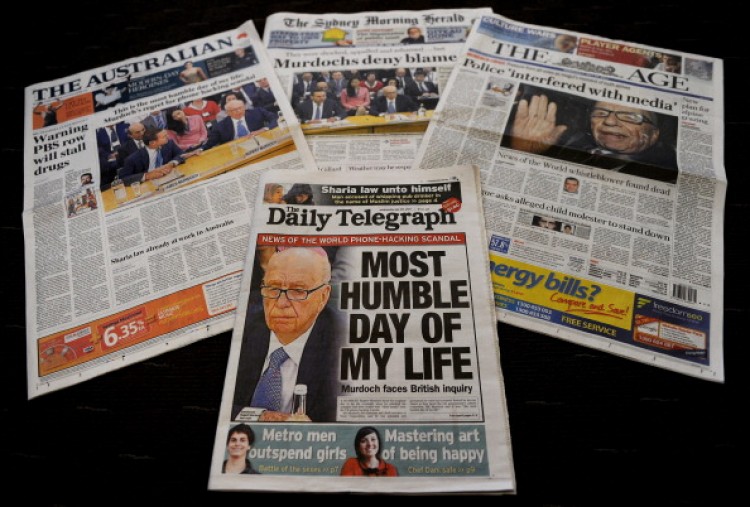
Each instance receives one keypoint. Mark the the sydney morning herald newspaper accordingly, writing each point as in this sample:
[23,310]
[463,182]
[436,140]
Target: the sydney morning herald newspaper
[365,355]
[354,60]
[603,183]
[138,193]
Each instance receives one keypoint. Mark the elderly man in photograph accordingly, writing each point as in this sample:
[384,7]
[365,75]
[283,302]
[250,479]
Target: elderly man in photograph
[294,340]
[391,102]
[240,122]
[620,138]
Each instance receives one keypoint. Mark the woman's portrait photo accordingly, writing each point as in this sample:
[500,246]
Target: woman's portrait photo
[368,461]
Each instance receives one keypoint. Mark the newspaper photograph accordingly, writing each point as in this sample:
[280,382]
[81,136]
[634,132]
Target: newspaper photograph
[365,74]
[604,187]
[139,184]
[365,356]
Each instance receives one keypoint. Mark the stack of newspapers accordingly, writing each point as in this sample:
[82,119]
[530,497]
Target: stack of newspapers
[360,198]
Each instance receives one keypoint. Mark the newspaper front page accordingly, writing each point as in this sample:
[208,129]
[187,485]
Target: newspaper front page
[140,180]
[379,77]
[604,187]
[365,356]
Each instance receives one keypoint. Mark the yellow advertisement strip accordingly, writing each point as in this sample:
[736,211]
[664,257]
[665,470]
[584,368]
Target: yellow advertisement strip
[559,297]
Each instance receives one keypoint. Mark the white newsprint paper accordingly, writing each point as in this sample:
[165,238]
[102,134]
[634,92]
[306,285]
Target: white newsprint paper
[138,193]
[603,183]
[365,354]
[354,59]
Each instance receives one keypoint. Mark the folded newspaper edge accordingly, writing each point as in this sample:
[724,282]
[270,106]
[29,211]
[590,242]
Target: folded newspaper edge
[403,391]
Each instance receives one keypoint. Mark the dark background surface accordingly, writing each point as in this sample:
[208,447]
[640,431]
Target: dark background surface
[588,428]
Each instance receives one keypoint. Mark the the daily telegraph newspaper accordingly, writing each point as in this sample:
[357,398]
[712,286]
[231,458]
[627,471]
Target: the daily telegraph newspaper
[604,185]
[365,356]
[140,179]
[374,73]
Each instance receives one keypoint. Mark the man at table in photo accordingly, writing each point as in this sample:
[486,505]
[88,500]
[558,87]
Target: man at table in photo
[323,85]
[110,140]
[320,109]
[239,123]
[338,83]
[423,91]
[264,96]
[156,159]
[294,339]
[391,102]
[403,77]
[156,120]
[246,93]
[303,88]
[132,144]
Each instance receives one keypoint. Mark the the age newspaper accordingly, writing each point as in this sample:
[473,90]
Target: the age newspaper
[603,183]
[138,192]
[365,355]
[355,61]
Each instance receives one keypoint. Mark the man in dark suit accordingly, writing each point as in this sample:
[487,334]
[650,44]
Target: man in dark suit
[337,83]
[419,86]
[156,120]
[295,340]
[403,76]
[423,91]
[133,143]
[264,96]
[391,102]
[619,138]
[155,160]
[246,93]
[110,139]
[320,108]
[241,122]
[323,85]
[303,88]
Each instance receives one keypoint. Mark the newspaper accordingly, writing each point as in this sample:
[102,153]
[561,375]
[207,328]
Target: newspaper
[604,187]
[354,60]
[365,342]
[138,194]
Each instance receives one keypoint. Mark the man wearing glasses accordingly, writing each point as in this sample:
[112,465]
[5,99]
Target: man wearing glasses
[294,341]
[619,138]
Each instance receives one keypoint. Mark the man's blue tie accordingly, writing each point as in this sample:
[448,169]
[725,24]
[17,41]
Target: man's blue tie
[391,107]
[159,159]
[241,129]
[268,391]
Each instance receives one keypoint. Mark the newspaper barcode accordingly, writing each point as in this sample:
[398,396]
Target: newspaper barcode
[685,292]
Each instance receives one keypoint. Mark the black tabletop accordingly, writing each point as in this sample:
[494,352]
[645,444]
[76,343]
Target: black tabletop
[588,428]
